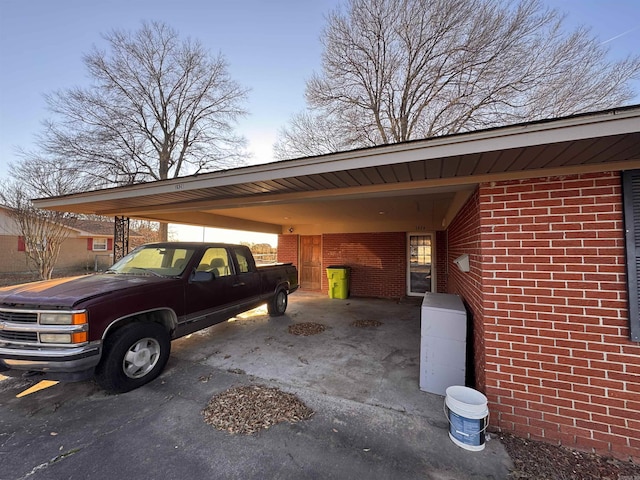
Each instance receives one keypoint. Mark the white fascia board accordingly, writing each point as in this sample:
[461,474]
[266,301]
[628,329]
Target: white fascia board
[502,138]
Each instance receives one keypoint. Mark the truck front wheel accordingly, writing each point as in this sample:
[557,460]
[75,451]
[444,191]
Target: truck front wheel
[278,304]
[133,356]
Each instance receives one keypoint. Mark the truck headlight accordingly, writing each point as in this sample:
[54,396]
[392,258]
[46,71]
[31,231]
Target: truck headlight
[76,337]
[55,337]
[56,318]
[63,318]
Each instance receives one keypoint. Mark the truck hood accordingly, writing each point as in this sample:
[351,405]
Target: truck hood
[69,292]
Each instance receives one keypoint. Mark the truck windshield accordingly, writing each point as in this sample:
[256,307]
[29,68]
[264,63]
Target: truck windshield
[152,260]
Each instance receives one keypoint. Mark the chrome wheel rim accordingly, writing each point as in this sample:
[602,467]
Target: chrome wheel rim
[281,302]
[141,357]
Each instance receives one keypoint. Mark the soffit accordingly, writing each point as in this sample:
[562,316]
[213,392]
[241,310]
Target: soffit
[392,173]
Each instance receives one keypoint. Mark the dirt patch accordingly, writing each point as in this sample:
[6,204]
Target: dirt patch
[7,279]
[534,460]
[366,323]
[249,409]
[306,329]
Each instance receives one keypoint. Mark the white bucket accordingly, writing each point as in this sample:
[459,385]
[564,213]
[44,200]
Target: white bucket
[468,416]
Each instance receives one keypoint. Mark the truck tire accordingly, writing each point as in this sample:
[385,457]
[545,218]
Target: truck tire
[132,356]
[278,304]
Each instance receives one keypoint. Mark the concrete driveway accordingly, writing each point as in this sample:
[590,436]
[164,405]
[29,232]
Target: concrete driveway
[371,420]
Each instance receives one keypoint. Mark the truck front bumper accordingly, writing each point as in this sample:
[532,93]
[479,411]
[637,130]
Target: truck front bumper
[72,362]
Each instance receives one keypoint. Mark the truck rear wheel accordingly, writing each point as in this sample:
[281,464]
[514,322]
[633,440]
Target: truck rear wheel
[132,356]
[278,304]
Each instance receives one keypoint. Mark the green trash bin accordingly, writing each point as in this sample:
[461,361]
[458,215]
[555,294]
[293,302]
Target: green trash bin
[338,277]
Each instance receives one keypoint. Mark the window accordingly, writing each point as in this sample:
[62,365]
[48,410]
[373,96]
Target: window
[420,251]
[631,198]
[99,245]
[31,245]
[216,261]
[152,260]
[243,261]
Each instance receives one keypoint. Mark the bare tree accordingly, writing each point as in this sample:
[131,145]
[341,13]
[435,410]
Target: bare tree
[159,107]
[148,231]
[309,134]
[43,231]
[395,70]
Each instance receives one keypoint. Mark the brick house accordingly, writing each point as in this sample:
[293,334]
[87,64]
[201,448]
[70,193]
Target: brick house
[88,247]
[551,235]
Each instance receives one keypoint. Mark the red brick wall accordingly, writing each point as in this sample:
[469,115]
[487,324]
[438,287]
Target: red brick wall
[441,261]
[463,236]
[559,365]
[377,261]
[288,249]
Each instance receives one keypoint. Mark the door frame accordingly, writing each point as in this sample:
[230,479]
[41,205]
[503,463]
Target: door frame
[408,262]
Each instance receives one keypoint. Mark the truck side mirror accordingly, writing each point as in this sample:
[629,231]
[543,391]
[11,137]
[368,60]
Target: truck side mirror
[201,276]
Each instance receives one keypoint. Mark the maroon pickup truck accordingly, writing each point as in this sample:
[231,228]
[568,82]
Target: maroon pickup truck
[118,325]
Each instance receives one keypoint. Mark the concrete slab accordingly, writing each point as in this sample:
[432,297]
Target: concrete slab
[371,420]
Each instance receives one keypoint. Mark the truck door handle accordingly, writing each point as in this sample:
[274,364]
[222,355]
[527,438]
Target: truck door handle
[241,284]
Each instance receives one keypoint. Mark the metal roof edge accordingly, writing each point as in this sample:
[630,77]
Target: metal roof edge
[586,125]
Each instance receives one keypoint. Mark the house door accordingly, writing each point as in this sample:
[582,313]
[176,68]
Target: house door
[420,275]
[311,262]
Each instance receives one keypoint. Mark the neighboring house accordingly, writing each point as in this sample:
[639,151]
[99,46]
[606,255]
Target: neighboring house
[89,246]
[551,235]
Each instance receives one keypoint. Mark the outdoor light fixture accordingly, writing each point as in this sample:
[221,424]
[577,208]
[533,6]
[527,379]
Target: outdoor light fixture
[463,262]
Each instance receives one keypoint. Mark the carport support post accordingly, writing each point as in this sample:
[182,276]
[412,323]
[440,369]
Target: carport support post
[120,238]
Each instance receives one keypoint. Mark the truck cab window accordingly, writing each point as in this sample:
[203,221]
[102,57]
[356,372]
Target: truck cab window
[216,261]
[243,263]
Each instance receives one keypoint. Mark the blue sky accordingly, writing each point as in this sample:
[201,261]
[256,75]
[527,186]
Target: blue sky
[272,48]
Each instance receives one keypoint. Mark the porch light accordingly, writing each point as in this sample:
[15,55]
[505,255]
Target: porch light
[463,262]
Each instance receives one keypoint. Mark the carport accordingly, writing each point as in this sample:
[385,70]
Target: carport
[414,188]
[375,364]
[536,206]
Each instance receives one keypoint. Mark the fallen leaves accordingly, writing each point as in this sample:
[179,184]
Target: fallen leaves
[306,329]
[535,460]
[248,409]
[366,323]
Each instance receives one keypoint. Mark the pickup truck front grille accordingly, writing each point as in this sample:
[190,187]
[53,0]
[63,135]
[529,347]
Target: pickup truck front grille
[20,328]
[18,317]
[18,336]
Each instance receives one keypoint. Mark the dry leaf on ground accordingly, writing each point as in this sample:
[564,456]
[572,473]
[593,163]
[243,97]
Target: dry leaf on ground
[248,409]
[306,329]
[366,323]
[533,460]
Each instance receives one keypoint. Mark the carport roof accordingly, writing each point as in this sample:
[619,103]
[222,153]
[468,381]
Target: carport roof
[440,172]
